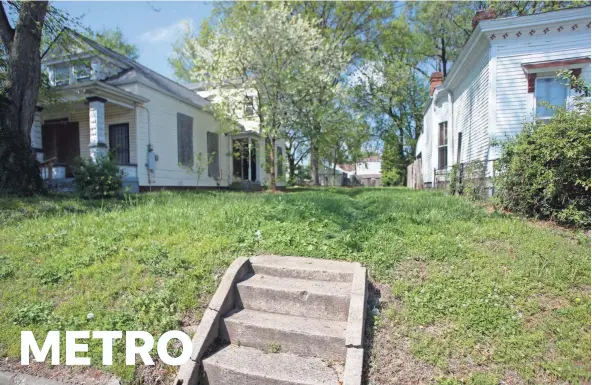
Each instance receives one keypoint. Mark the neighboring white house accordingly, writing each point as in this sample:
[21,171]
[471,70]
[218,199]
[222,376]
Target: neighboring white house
[156,127]
[249,143]
[505,68]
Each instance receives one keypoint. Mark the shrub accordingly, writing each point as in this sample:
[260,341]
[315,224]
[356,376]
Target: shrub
[544,171]
[98,180]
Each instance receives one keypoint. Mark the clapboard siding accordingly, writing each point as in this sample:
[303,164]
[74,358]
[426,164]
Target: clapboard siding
[163,111]
[511,82]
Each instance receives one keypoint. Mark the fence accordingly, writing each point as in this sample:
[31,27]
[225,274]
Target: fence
[476,178]
[414,175]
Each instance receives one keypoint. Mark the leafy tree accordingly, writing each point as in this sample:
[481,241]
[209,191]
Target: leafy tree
[352,26]
[442,29]
[392,93]
[523,8]
[113,39]
[269,51]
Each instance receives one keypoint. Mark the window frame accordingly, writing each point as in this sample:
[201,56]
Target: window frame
[537,89]
[185,150]
[443,146]
[66,69]
[249,104]
[112,147]
[213,166]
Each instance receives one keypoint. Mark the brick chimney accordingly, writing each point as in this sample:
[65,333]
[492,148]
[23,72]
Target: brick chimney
[484,14]
[435,80]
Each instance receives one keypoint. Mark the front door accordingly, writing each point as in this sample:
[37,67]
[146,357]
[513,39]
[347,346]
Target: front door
[61,141]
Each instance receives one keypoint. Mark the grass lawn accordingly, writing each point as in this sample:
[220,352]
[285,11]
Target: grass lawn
[461,295]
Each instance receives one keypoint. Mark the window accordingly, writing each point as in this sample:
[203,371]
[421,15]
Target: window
[280,162]
[249,106]
[82,71]
[185,140]
[549,90]
[119,142]
[213,157]
[443,146]
[61,75]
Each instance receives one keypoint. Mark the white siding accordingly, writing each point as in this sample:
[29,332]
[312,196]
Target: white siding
[163,111]
[511,91]
[471,112]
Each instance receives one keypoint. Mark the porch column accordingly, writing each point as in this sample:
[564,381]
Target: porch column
[249,162]
[36,134]
[96,119]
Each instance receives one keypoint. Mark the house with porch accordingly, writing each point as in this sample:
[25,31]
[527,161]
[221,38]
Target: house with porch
[247,142]
[505,70]
[161,134]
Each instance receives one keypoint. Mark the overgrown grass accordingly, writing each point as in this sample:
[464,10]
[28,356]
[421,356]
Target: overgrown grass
[494,292]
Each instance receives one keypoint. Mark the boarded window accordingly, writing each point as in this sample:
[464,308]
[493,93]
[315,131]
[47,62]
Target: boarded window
[119,142]
[280,162]
[185,140]
[443,146]
[213,156]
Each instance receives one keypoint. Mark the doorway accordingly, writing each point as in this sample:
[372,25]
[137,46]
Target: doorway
[61,141]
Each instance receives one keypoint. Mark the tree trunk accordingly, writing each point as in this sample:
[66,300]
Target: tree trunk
[314,163]
[20,170]
[291,164]
[272,165]
[334,172]
[444,59]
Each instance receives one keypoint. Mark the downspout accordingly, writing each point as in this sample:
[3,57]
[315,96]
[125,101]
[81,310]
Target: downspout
[149,145]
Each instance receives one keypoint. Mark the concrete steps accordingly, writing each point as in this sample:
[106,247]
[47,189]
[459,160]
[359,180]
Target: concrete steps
[236,365]
[300,297]
[305,336]
[282,321]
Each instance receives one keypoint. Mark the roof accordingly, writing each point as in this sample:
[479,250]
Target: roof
[347,167]
[177,90]
[371,158]
[511,22]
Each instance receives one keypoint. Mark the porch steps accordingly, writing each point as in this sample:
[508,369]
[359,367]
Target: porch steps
[291,324]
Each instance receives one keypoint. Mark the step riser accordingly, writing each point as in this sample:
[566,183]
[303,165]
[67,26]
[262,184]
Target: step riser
[299,303]
[316,275]
[327,347]
[215,375]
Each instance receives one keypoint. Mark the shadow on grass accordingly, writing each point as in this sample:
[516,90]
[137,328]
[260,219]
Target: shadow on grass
[16,209]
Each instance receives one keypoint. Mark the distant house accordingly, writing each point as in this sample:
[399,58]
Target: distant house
[156,128]
[365,172]
[507,67]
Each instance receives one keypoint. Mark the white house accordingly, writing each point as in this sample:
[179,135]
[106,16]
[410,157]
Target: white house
[507,66]
[249,143]
[158,129]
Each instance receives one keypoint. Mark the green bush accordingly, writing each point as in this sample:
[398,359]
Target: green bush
[544,171]
[98,180]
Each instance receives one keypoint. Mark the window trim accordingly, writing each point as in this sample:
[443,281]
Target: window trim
[217,153]
[182,142]
[534,94]
[129,148]
[443,146]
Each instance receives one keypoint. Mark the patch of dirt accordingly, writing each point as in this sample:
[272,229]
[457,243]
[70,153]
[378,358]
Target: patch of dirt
[78,375]
[388,358]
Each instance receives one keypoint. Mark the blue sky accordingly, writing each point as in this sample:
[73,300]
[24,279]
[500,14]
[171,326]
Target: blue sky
[153,26]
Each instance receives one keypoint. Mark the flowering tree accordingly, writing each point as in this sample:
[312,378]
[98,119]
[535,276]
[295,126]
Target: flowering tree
[267,52]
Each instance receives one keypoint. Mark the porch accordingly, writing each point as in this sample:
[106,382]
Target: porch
[81,126]
[246,161]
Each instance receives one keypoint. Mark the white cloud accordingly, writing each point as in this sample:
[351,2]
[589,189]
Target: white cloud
[167,34]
